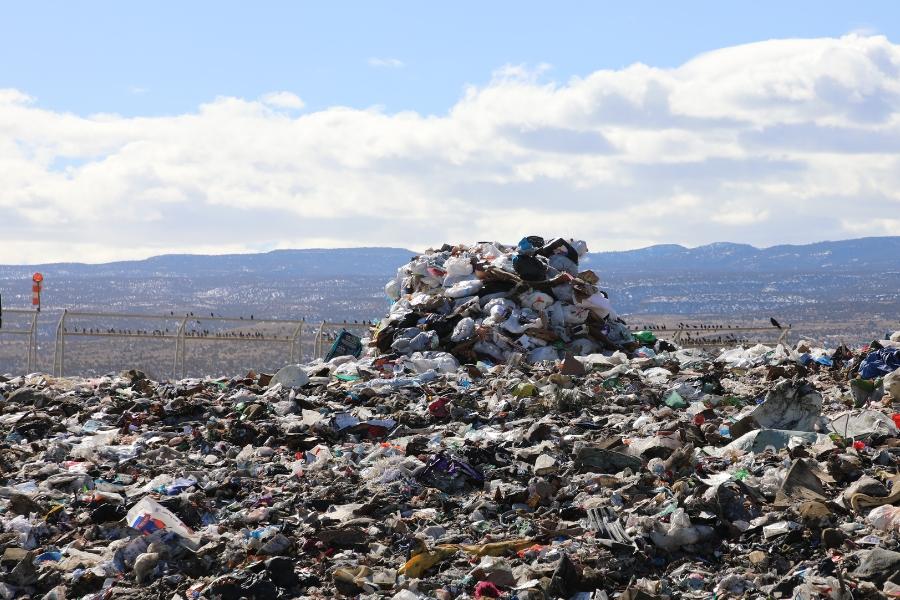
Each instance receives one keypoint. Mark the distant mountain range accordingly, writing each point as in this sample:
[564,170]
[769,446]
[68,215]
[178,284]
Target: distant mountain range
[865,254]
[312,263]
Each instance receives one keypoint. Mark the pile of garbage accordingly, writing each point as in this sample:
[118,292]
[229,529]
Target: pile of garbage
[754,472]
[501,303]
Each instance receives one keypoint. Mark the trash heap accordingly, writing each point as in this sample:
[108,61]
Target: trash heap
[763,472]
[500,303]
[503,437]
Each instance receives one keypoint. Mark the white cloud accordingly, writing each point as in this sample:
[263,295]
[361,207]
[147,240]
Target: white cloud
[772,142]
[283,100]
[388,63]
[873,226]
[736,215]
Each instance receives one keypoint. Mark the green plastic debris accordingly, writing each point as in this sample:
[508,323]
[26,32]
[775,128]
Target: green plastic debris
[611,383]
[645,337]
[867,385]
[524,390]
[347,377]
[676,401]
[733,401]
[862,390]
[668,509]
[741,474]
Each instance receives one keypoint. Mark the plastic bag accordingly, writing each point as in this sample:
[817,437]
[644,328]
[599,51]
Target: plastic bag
[543,353]
[442,362]
[536,300]
[392,289]
[866,422]
[789,405]
[885,518]
[458,265]
[600,306]
[465,288]
[680,532]
[463,330]
[529,268]
[880,363]
[87,448]
[892,384]
[148,516]
[575,315]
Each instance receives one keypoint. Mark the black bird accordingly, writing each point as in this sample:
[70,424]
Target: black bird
[774,322]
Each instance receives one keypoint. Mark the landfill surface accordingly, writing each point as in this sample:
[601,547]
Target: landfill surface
[487,440]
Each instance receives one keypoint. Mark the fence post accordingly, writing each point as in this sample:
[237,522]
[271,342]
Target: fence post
[317,348]
[296,342]
[179,337]
[32,345]
[59,350]
[783,337]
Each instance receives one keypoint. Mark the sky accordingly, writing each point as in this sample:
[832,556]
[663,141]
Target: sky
[131,129]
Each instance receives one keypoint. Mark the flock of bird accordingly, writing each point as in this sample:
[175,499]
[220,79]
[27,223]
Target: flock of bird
[703,327]
[730,339]
[203,333]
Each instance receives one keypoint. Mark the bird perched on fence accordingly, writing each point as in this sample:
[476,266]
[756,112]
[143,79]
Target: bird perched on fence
[774,322]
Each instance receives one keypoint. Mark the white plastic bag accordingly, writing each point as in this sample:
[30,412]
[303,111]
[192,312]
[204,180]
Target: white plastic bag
[458,265]
[543,353]
[600,306]
[463,330]
[680,532]
[892,384]
[536,300]
[148,516]
[392,289]
[465,288]
[575,315]
[885,518]
[442,362]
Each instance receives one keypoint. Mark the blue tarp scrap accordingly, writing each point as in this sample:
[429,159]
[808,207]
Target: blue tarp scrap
[880,363]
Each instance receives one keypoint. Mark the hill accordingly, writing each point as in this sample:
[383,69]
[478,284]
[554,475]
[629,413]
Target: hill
[870,254]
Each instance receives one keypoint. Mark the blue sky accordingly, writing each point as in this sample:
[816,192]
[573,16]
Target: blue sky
[154,58]
[129,129]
